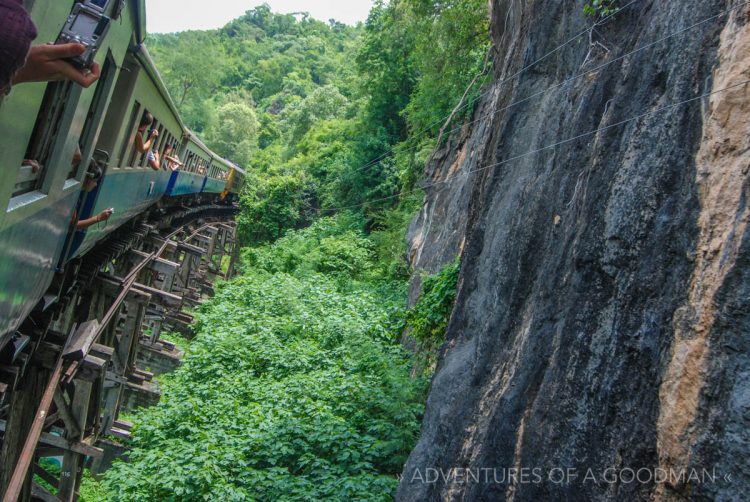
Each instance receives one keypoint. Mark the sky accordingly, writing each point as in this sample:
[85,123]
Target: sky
[165,16]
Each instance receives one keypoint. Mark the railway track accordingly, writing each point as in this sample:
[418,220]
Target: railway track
[81,355]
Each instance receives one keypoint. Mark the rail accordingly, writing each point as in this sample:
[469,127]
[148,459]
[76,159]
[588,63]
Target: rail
[65,371]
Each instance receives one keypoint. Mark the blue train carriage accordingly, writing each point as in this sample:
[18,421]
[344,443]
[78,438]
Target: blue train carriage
[47,122]
[192,177]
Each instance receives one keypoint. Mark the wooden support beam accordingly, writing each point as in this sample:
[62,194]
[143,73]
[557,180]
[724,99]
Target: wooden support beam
[72,465]
[161,297]
[48,451]
[189,248]
[102,351]
[92,369]
[146,375]
[17,455]
[46,476]
[46,355]
[112,285]
[67,415]
[120,433]
[80,343]
[41,493]
[160,265]
[124,425]
[84,447]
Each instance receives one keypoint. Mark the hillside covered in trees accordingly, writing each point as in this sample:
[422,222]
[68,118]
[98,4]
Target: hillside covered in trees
[326,115]
[296,385]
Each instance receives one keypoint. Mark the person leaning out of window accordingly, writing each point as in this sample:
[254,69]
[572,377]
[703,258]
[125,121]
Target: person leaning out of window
[170,161]
[149,145]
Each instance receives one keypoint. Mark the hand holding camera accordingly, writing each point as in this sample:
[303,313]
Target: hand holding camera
[154,133]
[86,26]
[52,62]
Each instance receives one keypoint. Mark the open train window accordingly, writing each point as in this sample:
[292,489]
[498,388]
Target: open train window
[128,147]
[162,139]
[46,132]
[96,110]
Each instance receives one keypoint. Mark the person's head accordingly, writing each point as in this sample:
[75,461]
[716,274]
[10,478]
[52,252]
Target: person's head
[16,33]
[146,121]
[168,149]
[93,175]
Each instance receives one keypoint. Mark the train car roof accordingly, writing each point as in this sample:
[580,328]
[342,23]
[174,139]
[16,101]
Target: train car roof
[231,165]
[140,12]
[143,56]
[200,144]
[237,168]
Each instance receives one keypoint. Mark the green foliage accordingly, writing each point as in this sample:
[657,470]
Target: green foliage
[601,8]
[389,236]
[428,319]
[324,103]
[327,99]
[271,204]
[449,52]
[92,490]
[89,491]
[52,467]
[329,246]
[235,132]
[294,388]
[177,339]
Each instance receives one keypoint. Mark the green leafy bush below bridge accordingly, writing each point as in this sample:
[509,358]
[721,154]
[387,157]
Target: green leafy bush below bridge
[295,387]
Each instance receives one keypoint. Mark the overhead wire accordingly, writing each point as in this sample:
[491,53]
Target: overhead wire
[597,68]
[484,94]
[554,86]
[544,148]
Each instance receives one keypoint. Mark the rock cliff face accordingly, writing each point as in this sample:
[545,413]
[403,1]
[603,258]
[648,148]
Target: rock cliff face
[602,322]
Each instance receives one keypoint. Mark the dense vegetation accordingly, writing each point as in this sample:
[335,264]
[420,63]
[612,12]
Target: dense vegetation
[295,386]
[307,105]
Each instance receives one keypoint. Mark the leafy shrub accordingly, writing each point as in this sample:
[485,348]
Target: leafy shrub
[601,8]
[329,245]
[428,319]
[293,389]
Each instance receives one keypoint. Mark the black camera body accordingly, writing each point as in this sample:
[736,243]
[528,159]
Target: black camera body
[86,25]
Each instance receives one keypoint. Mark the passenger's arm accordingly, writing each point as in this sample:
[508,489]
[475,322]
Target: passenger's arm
[154,162]
[142,146]
[103,216]
[48,63]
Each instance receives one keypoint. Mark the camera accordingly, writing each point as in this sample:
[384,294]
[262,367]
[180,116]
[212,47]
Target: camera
[86,25]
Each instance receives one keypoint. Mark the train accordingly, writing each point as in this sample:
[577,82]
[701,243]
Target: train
[51,123]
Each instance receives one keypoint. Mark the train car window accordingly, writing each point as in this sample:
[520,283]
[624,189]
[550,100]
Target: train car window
[46,131]
[96,110]
[128,147]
